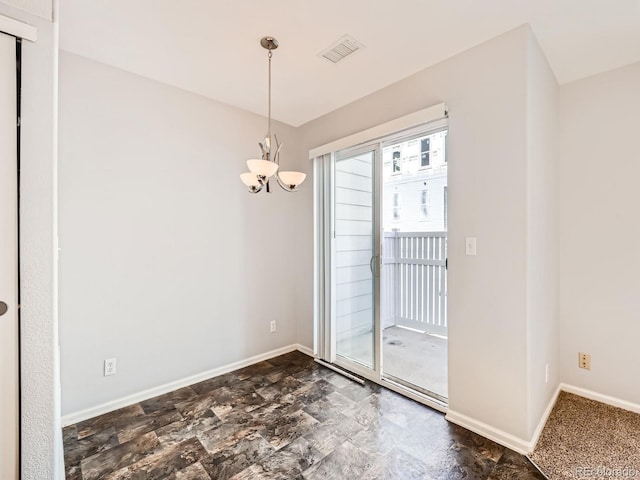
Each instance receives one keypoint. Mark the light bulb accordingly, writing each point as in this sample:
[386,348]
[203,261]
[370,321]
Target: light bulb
[264,168]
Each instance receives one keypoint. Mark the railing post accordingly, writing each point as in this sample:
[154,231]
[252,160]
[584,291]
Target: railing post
[396,278]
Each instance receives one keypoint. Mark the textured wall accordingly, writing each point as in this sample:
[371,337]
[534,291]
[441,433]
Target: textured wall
[41,434]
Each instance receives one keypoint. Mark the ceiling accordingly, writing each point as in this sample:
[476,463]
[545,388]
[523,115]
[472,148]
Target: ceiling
[211,47]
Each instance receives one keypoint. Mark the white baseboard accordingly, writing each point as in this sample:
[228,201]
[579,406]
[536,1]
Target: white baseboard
[600,397]
[499,436]
[75,417]
[526,447]
[543,419]
[306,350]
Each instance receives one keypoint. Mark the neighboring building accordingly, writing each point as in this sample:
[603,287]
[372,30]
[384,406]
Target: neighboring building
[415,184]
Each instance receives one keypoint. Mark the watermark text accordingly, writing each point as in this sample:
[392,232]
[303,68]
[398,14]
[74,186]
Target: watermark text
[607,472]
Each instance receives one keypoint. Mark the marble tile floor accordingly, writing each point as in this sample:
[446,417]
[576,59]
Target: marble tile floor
[286,418]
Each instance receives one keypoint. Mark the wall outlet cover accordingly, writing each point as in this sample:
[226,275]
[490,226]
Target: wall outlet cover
[584,360]
[109,367]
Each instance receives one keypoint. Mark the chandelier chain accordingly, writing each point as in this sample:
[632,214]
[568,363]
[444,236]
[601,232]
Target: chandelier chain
[269,117]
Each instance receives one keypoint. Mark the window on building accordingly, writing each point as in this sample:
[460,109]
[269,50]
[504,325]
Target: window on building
[396,206]
[397,167]
[425,152]
[424,202]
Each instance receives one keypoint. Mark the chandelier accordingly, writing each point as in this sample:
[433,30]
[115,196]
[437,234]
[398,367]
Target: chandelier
[260,170]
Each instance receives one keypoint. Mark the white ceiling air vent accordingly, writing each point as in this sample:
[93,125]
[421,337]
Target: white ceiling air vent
[344,47]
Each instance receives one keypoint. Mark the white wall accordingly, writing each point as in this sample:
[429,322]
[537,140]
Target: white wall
[542,323]
[166,262]
[598,172]
[40,8]
[41,441]
[485,90]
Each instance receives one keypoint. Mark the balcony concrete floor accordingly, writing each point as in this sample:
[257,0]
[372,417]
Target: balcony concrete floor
[417,358]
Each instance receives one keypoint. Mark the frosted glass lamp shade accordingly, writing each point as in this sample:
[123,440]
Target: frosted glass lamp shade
[249,179]
[292,179]
[264,168]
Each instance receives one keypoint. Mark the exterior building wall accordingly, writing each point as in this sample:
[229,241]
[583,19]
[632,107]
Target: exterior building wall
[415,182]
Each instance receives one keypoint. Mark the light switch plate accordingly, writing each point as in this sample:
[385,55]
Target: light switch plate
[470,245]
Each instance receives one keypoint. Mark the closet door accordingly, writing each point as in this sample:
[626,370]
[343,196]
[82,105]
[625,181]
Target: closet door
[9,360]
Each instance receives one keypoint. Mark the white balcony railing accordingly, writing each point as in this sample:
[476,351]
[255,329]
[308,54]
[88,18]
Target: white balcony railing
[414,281]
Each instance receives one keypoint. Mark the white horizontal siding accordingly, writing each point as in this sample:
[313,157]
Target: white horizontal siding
[353,227]
[348,243]
[352,274]
[353,243]
[356,322]
[355,166]
[353,305]
[353,258]
[353,182]
[353,212]
[354,289]
[346,196]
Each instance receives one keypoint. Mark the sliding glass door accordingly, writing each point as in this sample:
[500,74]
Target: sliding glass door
[381,261]
[355,258]
[414,275]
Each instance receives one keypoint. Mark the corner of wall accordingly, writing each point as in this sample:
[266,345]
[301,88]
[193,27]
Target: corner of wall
[542,274]
[304,246]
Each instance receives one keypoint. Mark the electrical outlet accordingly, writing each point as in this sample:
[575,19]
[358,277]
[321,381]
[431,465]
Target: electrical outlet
[109,366]
[584,360]
[272,326]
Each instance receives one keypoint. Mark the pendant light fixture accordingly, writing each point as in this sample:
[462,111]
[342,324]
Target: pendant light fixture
[260,170]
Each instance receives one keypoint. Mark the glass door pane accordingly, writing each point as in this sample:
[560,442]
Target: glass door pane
[354,257]
[414,252]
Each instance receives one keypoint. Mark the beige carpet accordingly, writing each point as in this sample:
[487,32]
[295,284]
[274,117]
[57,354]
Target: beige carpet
[587,439]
